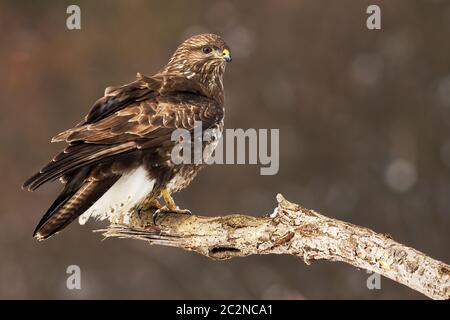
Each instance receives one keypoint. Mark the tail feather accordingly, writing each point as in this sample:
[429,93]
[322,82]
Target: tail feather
[71,204]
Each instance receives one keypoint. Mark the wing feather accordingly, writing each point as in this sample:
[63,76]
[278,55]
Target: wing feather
[69,160]
[138,125]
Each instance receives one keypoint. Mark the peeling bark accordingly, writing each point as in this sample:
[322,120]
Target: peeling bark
[294,230]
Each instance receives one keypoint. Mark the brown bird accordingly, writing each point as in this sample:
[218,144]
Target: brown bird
[119,158]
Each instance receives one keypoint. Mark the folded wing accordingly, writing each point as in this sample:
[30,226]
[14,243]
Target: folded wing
[139,124]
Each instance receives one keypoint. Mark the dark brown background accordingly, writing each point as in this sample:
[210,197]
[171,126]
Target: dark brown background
[364,121]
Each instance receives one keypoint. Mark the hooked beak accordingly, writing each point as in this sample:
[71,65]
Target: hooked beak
[226,55]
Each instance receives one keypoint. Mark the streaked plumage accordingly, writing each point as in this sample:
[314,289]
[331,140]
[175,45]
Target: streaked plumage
[124,143]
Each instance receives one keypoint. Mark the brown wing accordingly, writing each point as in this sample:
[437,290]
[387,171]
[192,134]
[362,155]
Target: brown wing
[140,125]
[142,89]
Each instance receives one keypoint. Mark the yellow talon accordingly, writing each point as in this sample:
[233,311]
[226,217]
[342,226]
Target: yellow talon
[170,204]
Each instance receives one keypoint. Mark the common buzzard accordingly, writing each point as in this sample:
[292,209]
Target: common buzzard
[119,157]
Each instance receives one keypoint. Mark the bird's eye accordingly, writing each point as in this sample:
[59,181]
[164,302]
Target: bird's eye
[207,50]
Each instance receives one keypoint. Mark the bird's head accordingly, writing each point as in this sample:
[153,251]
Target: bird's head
[202,57]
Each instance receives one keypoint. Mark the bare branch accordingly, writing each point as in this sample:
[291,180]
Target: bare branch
[297,231]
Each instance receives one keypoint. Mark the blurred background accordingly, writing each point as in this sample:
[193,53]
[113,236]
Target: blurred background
[364,119]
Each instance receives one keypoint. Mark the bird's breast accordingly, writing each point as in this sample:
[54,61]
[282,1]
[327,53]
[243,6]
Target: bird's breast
[212,137]
[185,173]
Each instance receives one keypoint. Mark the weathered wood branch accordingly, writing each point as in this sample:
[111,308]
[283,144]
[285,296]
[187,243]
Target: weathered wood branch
[297,231]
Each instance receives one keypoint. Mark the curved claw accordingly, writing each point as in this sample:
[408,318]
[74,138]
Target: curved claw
[165,209]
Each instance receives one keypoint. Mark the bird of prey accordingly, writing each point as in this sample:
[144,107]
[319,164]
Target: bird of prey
[119,157]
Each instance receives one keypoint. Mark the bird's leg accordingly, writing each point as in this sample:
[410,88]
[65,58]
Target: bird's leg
[170,206]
